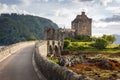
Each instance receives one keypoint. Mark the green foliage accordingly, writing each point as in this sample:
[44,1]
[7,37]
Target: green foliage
[53,59]
[82,38]
[109,38]
[66,43]
[15,28]
[100,43]
[31,37]
[94,38]
[117,47]
[90,47]
[76,46]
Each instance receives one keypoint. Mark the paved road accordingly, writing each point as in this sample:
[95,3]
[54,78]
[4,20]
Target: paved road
[18,66]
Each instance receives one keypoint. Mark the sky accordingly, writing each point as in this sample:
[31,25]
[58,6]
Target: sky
[105,14]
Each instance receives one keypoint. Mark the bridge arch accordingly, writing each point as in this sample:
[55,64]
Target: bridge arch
[61,48]
[54,47]
[53,43]
[50,50]
[57,51]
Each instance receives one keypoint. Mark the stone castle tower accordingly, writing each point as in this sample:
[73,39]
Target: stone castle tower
[49,33]
[82,25]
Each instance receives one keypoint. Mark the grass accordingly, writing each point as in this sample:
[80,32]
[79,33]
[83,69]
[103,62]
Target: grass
[86,47]
[53,59]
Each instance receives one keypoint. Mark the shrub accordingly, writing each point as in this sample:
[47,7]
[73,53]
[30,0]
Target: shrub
[75,44]
[81,48]
[118,47]
[100,43]
[84,38]
[109,38]
[66,43]
[71,48]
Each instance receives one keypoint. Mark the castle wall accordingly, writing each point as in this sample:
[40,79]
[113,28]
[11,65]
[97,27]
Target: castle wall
[81,25]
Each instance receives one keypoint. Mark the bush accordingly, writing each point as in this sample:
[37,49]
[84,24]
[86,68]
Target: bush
[101,43]
[66,43]
[109,38]
[118,47]
[83,38]
[72,48]
[75,44]
[81,48]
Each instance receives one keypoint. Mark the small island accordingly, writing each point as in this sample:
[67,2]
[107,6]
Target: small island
[84,54]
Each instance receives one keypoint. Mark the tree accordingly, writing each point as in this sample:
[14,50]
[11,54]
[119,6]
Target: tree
[31,37]
[100,43]
[66,43]
[83,38]
[109,38]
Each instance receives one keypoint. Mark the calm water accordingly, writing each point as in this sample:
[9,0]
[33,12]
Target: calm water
[2,46]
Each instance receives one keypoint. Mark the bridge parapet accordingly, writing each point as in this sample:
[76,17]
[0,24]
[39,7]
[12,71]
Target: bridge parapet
[51,70]
[42,47]
[8,50]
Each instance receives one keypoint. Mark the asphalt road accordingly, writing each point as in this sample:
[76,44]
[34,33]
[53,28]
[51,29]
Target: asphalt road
[18,66]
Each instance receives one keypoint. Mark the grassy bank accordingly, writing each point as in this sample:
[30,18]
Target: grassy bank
[87,47]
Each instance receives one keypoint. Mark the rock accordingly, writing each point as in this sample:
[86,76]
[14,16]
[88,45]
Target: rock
[63,61]
[102,63]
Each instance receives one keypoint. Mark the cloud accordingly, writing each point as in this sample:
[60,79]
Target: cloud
[26,2]
[98,31]
[114,18]
[115,10]
[99,28]
[118,1]
[10,2]
[4,8]
[105,2]
[42,0]
[82,0]
[63,12]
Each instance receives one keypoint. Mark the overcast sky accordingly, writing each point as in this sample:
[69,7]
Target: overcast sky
[105,13]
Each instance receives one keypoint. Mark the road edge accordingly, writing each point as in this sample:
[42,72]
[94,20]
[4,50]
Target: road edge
[39,74]
[8,56]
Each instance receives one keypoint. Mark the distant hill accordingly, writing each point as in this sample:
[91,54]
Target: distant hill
[15,28]
[118,39]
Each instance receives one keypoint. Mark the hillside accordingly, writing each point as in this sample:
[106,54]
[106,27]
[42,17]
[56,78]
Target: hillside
[15,28]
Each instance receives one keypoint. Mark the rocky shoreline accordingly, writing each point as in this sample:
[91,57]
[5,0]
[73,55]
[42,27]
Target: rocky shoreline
[98,67]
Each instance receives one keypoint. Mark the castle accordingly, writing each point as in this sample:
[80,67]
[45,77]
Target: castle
[81,25]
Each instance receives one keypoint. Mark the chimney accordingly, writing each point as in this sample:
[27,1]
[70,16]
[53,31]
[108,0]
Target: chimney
[83,13]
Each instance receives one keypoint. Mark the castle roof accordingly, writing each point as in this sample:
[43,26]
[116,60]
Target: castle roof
[81,18]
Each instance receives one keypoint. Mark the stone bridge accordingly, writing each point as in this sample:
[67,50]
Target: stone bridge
[51,47]
[27,61]
[54,47]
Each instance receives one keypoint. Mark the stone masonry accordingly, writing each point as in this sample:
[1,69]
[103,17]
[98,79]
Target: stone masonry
[81,25]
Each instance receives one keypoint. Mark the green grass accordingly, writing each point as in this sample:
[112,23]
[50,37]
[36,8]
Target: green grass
[112,45]
[53,60]
[86,47]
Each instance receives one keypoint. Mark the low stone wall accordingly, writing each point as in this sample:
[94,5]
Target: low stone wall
[51,70]
[8,50]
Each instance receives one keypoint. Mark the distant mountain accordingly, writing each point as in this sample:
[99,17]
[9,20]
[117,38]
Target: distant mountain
[118,39]
[15,28]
